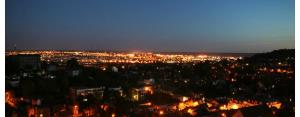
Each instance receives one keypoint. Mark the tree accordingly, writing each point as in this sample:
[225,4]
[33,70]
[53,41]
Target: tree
[72,64]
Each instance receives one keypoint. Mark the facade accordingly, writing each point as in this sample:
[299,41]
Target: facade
[97,91]
[139,94]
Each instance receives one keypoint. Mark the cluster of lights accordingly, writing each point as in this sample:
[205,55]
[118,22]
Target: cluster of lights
[190,103]
[234,104]
[75,110]
[275,70]
[275,104]
[89,58]
[9,99]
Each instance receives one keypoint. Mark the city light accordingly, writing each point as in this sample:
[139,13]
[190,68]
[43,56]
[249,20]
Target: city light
[161,112]
[75,110]
[275,104]
[185,99]
[234,106]
[147,104]
[103,57]
[191,111]
[195,104]
[223,115]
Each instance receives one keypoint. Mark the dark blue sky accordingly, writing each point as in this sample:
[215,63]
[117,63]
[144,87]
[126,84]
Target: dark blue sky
[151,25]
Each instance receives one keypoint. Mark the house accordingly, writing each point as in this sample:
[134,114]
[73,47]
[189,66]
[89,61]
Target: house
[83,91]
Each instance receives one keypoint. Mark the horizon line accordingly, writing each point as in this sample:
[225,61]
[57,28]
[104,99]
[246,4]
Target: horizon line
[144,51]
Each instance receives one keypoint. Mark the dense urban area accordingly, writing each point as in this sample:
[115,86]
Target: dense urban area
[144,84]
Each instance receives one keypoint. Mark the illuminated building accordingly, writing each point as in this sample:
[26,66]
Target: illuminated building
[96,91]
[140,93]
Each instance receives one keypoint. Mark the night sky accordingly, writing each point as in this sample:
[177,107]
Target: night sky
[151,25]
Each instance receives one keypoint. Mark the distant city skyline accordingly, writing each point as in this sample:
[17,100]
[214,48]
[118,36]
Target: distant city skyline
[249,26]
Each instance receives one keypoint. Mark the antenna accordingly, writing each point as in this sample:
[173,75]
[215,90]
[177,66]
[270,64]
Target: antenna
[15,47]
